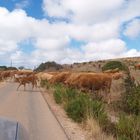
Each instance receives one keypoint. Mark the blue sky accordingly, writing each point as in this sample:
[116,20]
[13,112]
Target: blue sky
[68,31]
[32,7]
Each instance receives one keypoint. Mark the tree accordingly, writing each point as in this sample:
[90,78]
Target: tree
[21,67]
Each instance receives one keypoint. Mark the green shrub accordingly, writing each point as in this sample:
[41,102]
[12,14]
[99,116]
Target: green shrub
[128,128]
[45,84]
[133,101]
[65,94]
[69,94]
[77,108]
[98,112]
[82,106]
[58,95]
[131,98]
[113,65]
[96,108]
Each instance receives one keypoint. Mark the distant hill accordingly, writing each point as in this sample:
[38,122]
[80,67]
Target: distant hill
[91,66]
[49,66]
[7,68]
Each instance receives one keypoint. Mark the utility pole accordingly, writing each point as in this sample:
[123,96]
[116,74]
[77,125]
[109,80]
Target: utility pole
[11,62]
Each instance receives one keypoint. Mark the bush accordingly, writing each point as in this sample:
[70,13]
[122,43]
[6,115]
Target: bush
[132,101]
[77,108]
[45,83]
[58,95]
[68,95]
[83,106]
[113,65]
[131,98]
[96,108]
[128,128]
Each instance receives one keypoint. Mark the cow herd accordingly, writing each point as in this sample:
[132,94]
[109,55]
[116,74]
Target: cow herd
[68,78]
[83,81]
[21,77]
[89,82]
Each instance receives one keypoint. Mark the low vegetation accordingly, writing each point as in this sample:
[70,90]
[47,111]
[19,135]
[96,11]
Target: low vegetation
[45,84]
[131,98]
[79,106]
[128,128]
[113,65]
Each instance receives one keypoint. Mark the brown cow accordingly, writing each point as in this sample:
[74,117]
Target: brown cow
[137,66]
[5,75]
[94,81]
[112,70]
[91,82]
[59,78]
[26,80]
[117,75]
[70,81]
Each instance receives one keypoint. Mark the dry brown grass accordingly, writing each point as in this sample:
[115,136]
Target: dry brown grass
[94,131]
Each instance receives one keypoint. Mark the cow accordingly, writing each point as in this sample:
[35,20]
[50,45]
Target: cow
[117,75]
[93,82]
[26,80]
[5,75]
[44,76]
[112,70]
[60,78]
[137,66]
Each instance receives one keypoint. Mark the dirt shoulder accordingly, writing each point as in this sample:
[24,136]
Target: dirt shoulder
[72,129]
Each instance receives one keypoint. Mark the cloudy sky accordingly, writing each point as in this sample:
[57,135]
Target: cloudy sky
[67,31]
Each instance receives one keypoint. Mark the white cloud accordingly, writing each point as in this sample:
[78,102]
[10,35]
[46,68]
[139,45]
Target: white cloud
[129,11]
[133,29]
[88,11]
[92,11]
[105,49]
[15,26]
[131,53]
[96,32]
[7,46]
[52,44]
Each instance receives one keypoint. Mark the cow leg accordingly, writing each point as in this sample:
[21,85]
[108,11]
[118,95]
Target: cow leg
[36,84]
[18,86]
[32,86]
[24,86]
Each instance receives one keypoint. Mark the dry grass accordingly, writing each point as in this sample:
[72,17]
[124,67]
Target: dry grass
[94,131]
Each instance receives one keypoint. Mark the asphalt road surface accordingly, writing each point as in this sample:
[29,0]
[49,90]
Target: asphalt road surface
[31,111]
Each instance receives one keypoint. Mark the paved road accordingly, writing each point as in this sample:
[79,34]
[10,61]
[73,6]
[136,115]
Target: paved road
[31,111]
